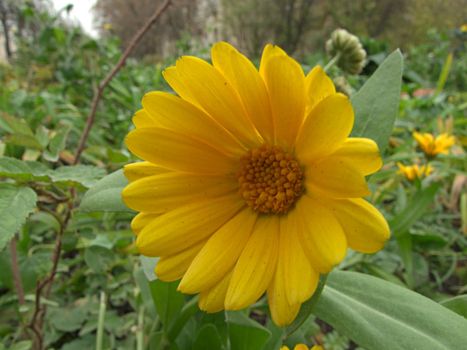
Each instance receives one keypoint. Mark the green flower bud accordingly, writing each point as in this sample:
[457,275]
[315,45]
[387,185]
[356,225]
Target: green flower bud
[348,49]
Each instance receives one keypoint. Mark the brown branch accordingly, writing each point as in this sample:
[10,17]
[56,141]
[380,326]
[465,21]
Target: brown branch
[16,273]
[102,85]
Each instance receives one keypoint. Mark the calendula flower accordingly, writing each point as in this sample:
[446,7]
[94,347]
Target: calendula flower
[302,347]
[412,172]
[432,146]
[250,182]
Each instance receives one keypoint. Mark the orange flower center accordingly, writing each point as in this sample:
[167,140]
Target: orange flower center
[270,180]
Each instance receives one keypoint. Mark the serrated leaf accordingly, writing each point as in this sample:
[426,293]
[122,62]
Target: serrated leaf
[86,175]
[16,203]
[376,104]
[380,315]
[23,170]
[105,195]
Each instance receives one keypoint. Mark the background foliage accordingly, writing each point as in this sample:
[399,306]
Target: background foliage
[101,294]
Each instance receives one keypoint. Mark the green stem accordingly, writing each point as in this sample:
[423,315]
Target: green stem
[100,322]
[140,329]
[332,62]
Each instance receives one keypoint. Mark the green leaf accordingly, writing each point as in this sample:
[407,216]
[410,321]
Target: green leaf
[86,175]
[380,315]
[67,320]
[22,345]
[16,203]
[207,338]
[16,125]
[457,304]
[23,170]
[414,210]
[244,333]
[376,104]
[57,143]
[105,195]
[168,301]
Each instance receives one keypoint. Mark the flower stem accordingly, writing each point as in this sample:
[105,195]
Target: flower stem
[100,322]
[332,62]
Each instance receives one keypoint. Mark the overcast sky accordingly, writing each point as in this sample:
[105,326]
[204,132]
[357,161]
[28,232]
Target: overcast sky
[81,13]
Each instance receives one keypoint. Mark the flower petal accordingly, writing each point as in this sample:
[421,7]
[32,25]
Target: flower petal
[318,86]
[141,220]
[161,193]
[176,114]
[178,152]
[142,119]
[282,312]
[299,277]
[207,88]
[325,128]
[363,153]
[212,300]
[322,237]
[364,226]
[336,177]
[138,170]
[219,254]
[245,79]
[255,267]
[269,52]
[183,227]
[172,267]
[286,87]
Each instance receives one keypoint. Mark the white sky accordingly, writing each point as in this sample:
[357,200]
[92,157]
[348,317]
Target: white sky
[81,13]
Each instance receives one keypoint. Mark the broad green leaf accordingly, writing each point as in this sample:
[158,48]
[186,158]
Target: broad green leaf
[66,319]
[208,338]
[23,170]
[244,333]
[28,141]
[414,210]
[168,301]
[86,175]
[380,315]
[105,195]
[57,143]
[22,345]
[457,304]
[376,104]
[16,203]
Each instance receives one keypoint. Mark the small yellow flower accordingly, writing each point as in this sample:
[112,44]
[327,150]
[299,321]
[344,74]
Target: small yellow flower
[412,172]
[432,146]
[463,28]
[302,347]
[250,181]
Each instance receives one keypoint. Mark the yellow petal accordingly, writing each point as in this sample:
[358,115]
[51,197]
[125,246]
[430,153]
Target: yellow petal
[178,152]
[300,347]
[299,277]
[318,86]
[219,254]
[325,128]
[138,170]
[336,177]
[141,220]
[284,347]
[255,267]
[183,227]
[161,193]
[322,237]
[207,88]
[172,76]
[269,52]
[282,312]
[141,119]
[172,267]
[212,300]
[245,79]
[286,87]
[176,114]
[364,226]
[362,153]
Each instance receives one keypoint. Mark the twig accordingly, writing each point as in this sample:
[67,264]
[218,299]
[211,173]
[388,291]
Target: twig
[102,85]
[15,272]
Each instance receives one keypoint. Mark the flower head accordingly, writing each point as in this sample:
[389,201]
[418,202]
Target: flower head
[413,172]
[348,49]
[250,183]
[302,347]
[432,146]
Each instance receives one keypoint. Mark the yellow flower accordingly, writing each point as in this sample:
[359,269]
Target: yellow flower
[432,146]
[412,172]
[249,181]
[302,347]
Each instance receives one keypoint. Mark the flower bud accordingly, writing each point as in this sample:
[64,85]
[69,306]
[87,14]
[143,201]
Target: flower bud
[351,55]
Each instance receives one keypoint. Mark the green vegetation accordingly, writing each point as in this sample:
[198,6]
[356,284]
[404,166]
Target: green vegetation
[104,294]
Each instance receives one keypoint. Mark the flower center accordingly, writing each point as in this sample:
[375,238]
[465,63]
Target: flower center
[270,180]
